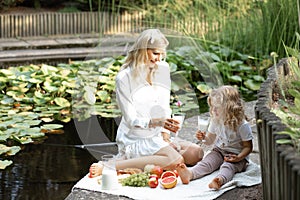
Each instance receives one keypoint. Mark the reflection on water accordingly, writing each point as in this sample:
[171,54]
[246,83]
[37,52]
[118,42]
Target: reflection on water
[45,171]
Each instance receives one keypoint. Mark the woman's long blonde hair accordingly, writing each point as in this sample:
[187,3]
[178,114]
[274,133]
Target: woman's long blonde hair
[137,55]
[228,99]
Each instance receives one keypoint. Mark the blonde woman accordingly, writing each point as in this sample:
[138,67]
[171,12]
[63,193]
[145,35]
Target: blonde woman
[231,135]
[143,95]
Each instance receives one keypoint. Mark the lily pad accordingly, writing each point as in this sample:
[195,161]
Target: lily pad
[13,150]
[22,140]
[62,102]
[5,163]
[52,126]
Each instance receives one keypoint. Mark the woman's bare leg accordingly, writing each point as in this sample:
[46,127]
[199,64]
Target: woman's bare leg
[166,157]
[192,153]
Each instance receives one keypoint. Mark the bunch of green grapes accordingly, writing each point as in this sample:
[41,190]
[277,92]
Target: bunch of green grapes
[136,180]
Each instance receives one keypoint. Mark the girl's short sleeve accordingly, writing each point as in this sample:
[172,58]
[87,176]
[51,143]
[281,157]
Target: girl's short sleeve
[246,132]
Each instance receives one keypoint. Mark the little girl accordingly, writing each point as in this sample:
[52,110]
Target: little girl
[231,135]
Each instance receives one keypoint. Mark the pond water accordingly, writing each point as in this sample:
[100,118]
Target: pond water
[48,170]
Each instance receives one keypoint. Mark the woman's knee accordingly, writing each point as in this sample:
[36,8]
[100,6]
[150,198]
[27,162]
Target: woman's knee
[193,154]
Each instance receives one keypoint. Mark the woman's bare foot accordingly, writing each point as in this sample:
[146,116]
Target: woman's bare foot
[216,183]
[184,173]
[95,170]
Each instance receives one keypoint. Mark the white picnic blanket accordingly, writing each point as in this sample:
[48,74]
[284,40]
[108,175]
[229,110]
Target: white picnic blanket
[196,189]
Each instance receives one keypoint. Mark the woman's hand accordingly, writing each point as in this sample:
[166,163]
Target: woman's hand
[200,135]
[166,137]
[172,125]
[157,122]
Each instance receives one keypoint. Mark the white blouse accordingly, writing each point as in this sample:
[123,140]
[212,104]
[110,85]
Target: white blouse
[139,102]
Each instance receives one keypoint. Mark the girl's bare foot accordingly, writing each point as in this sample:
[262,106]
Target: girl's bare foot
[216,183]
[184,173]
[95,170]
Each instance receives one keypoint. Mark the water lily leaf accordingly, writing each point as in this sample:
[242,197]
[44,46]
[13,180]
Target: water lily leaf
[36,135]
[39,101]
[14,93]
[27,100]
[11,112]
[13,150]
[3,80]
[28,115]
[69,84]
[62,102]
[47,119]
[4,137]
[89,97]
[35,81]
[48,87]
[103,95]
[5,163]
[7,72]
[47,69]
[22,140]
[72,91]
[66,119]
[34,122]
[40,109]
[7,101]
[52,126]
[38,94]
[3,149]
[65,72]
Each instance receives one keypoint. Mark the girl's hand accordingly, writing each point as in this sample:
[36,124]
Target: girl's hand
[231,158]
[200,135]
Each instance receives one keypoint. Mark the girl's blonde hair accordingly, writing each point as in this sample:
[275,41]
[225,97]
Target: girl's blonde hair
[228,100]
[137,55]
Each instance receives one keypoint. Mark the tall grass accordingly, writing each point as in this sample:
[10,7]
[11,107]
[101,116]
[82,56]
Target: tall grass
[264,28]
[256,27]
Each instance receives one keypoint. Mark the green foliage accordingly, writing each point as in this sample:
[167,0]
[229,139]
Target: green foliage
[290,112]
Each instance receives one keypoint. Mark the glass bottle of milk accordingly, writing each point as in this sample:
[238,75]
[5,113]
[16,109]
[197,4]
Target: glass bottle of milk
[109,173]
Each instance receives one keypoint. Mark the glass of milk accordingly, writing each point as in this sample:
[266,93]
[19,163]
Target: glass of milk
[203,125]
[109,173]
[180,118]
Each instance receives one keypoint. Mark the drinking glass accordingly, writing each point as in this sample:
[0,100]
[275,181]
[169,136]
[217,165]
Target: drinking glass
[203,125]
[180,118]
[109,173]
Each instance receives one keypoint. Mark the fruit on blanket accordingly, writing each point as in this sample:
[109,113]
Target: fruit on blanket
[169,182]
[136,180]
[153,181]
[167,174]
[157,170]
[153,176]
[148,168]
